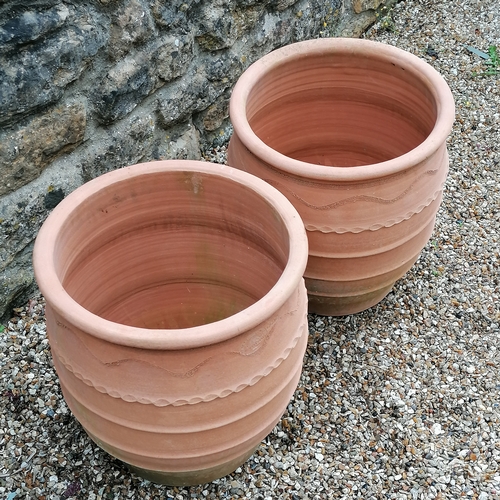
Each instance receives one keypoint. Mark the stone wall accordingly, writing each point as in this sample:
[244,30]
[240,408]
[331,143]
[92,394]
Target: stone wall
[88,87]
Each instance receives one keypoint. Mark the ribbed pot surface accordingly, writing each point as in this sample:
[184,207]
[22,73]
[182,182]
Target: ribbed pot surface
[176,314]
[353,133]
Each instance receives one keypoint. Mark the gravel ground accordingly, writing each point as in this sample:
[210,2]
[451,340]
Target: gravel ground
[400,402]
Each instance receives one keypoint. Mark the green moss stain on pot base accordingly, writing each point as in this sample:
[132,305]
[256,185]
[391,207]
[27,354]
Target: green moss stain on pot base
[191,478]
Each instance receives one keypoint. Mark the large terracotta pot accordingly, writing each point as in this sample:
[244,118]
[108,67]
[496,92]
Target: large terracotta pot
[353,133]
[176,313]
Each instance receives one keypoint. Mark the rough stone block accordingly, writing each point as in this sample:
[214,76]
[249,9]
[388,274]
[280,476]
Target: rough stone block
[182,144]
[196,90]
[177,14]
[316,16]
[173,57]
[364,5]
[175,102]
[213,117]
[217,29]
[214,122]
[25,152]
[131,25]
[246,18]
[272,31]
[138,75]
[129,143]
[31,25]
[16,283]
[282,4]
[31,79]
[124,87]
[21,217]
[249,3]
[222,23]
[358,16]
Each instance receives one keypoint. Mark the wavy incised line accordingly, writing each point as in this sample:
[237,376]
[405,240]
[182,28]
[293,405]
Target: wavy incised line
[196,399]
[352,199]
[378,225]
[248,348]
[186,374]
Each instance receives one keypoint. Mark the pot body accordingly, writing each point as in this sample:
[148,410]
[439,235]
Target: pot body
[176,314]
[353,133]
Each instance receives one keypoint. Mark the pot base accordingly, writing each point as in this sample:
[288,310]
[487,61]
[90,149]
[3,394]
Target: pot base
[194,477]
[342,306]
[330,298]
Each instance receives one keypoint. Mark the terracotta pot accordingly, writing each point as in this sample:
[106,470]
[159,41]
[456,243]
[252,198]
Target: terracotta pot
[176,313]
[353,133]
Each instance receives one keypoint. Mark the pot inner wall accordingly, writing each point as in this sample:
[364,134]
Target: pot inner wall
[172,250]
[341,110]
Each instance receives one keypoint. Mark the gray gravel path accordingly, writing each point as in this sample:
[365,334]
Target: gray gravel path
[398,402]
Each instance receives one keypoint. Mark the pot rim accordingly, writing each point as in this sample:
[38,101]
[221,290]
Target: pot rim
[355,48]
[169,339]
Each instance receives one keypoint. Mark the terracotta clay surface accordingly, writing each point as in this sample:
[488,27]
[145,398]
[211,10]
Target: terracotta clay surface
[176,313]
[353,133]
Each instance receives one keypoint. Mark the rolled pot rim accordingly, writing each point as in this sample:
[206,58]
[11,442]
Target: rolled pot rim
[183,338]
[356,48]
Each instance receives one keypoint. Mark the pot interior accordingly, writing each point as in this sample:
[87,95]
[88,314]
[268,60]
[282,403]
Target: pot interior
[341,109]
[171,250]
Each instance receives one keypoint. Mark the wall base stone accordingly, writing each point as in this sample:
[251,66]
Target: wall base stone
[358,15]
[26,150]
